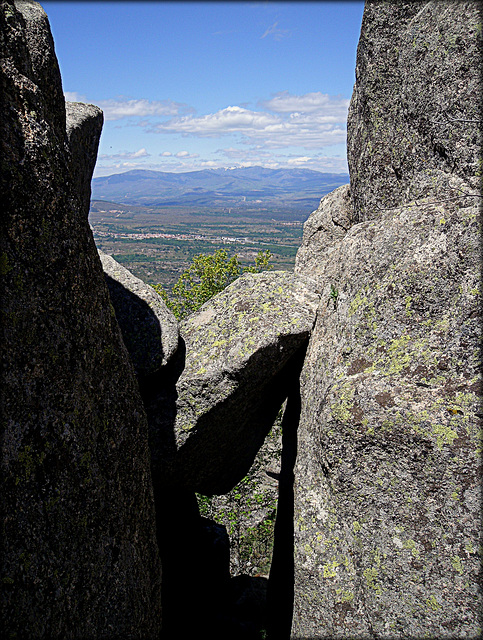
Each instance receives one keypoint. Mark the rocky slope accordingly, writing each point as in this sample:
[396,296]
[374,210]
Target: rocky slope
[113,416]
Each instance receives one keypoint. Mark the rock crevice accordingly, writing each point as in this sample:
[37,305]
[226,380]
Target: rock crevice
[330,417]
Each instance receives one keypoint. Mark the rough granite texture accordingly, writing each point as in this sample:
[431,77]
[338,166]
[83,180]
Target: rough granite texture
[323,232]
[387,512]
[388,473]
[149,329]
[239,347]
[415,114]
[79,556]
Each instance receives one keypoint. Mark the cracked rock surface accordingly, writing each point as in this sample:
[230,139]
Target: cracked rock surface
[239,346]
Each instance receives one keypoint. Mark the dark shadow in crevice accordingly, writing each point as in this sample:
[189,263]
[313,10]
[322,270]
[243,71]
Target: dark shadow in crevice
[181,538]
[281,581]
[232,432]
[198,595]
[159,395]
[140,327]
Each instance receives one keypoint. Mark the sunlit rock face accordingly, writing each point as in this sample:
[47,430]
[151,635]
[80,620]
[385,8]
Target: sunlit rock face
[414,125]
[387,484]
[387,509]
[79,553]
[240,347]
[149,329]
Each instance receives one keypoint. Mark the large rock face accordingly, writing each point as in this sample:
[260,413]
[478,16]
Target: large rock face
[240,349]
[387,479]
[79,554]
[415,115]
[387,514]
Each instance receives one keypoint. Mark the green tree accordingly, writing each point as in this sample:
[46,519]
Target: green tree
[205,277]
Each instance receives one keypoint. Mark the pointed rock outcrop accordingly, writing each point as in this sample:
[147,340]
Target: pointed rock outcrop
[323,231]
[415,116]
[79,556]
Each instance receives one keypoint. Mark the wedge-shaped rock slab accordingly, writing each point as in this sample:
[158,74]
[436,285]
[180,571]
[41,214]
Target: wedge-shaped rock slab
[323,232]
[239,350]
[149,329]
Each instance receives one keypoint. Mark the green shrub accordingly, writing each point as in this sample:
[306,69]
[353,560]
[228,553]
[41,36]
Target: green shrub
[205,277]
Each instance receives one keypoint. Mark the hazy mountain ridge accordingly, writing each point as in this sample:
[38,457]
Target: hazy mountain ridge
[221,186]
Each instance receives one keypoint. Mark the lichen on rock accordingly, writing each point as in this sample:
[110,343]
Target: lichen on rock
[391,395]
[238,348]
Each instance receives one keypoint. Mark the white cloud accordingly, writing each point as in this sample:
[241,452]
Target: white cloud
[186,154]
[117,109]
[229,120]
[285,130]
[141,153]
[301,160]
[274,31]
[122,108]
[233,153]
[178,154]
[272,130]
[328,108]
[73,96]
[273,159]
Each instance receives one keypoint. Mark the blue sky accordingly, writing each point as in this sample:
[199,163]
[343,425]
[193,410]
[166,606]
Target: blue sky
[194,85]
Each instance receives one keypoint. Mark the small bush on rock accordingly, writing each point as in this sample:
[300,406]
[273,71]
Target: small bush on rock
[205,277]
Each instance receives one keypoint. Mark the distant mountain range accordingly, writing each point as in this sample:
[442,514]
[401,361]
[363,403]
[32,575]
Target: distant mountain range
[246,186]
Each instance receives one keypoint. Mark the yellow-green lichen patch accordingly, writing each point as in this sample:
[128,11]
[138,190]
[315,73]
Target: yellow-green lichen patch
[359,300]
[371,574]
[343,402]
[329,569]
[457,565]
[399,355]
[343,595]
[29,461]
[444,435]
[432,604]
[5,267]
[411,545]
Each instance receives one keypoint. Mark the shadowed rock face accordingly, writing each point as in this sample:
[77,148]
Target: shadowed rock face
[149,329]
[79,554]
[415,115]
